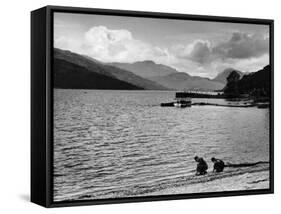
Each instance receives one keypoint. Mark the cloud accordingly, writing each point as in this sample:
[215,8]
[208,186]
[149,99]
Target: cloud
[242,46]
[67,43]
[112,46]
[247,52]
[239,46]
[201,52]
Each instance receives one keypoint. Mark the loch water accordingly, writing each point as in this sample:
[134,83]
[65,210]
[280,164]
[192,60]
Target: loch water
[109,141]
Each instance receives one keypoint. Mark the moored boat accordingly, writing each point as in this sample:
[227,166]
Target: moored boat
[182,100]
[182,104]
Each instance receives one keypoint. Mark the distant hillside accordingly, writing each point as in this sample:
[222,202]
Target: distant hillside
[108,70]
[69,75]
[146,69]
[183,81]
[255,84]
[221,77]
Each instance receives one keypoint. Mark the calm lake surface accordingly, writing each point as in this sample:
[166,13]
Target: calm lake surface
[106,142]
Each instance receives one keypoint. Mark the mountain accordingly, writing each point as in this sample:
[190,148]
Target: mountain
[146,69]
[231,87]
[221,77]
[98,67]
[70,75]
[183,81]
[255,84]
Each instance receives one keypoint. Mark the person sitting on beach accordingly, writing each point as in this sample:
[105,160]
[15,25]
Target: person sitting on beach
[202,166]
[218,165]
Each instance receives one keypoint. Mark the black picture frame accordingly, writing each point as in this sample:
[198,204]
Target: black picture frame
[42,104]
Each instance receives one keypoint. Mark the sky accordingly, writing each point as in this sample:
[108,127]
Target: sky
[198,48]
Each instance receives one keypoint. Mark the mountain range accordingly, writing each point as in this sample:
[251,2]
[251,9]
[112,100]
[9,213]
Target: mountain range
[91,65]
[182,81]
[72,76]
[170,77]
[90,73]
[221,77]
[256,83]
[146,69]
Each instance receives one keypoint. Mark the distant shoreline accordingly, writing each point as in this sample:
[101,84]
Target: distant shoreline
[191,95]
[129,90]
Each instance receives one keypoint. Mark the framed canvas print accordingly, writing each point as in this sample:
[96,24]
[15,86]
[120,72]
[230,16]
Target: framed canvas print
[141,106]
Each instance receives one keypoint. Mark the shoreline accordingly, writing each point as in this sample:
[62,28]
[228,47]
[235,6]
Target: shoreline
[232,179]
[246,181]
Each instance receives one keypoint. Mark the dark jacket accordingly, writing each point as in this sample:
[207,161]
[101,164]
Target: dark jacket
[218,165]
[201,166]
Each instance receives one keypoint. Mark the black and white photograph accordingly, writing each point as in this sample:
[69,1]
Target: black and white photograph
[147,106]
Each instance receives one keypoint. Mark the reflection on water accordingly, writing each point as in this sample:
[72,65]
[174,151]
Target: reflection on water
[111,140]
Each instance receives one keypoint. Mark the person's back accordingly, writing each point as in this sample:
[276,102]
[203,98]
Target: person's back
[218,165]
[202,166]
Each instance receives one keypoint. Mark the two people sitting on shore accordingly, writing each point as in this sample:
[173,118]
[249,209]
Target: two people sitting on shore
[202,165]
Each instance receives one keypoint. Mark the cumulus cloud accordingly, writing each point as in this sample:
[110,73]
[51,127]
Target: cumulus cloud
[239,46]
[242,46]
[112,46]
[201,52]
[247,52]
